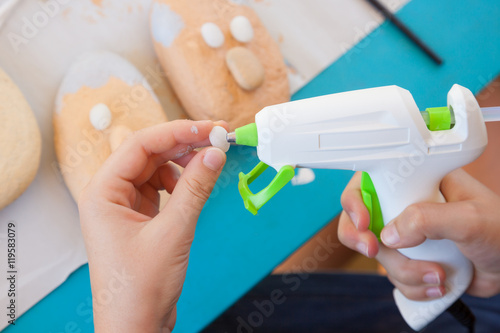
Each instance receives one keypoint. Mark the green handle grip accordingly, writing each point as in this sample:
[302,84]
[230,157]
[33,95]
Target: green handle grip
[370,199]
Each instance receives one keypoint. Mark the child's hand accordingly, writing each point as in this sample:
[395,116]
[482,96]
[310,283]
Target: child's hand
[137,254]
[470,218]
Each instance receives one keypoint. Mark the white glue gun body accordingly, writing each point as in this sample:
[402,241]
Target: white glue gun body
[382,132]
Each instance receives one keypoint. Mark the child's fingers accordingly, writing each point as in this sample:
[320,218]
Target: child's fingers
[147,200]
[419,293]
[353,225]
[353,205]
[178,218]
[140,154]
[417,222]
[460,186]
[364,242]
[417,280]
[184,160]
[165,177]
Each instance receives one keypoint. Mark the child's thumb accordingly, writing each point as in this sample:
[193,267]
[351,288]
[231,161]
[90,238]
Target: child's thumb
[192,191]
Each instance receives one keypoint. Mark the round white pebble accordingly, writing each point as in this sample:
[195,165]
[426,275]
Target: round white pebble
[241,29]
[100,116]
[218,138]
[212,35]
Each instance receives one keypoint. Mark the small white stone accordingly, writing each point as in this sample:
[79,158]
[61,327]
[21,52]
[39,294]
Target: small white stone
[304,176]
[218,138]
[212,35]
[100,116]
[241,29]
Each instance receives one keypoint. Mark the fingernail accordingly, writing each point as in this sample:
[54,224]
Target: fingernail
[390,235]
[354,218]
[362,248]
[214,158]
[431,278]
[434,292]
[220,123]
[203,122]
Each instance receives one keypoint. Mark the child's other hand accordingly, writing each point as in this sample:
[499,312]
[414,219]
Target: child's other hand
[137,254]
[470,218]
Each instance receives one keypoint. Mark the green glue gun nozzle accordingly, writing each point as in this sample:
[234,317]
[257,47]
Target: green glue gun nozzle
[254,201]
[247,135]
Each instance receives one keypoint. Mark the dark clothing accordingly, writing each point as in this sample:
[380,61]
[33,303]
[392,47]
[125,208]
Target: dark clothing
[342,303]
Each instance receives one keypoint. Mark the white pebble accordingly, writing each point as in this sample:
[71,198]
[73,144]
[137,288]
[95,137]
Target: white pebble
[241,29]
[100,116]
[218,138]
[212,35]
[303,177]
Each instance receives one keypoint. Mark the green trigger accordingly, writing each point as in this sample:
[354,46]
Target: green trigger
[372,203]
[253,202]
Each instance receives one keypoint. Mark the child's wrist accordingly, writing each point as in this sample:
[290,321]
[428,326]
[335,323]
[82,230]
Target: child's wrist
[105,322]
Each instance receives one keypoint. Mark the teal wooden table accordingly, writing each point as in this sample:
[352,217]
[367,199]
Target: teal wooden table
[233,249]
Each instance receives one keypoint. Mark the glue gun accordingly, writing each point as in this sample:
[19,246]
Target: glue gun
[404,153]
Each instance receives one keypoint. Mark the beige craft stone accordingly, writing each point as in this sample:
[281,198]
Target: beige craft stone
[20,142]
[199,72]
[80,148]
